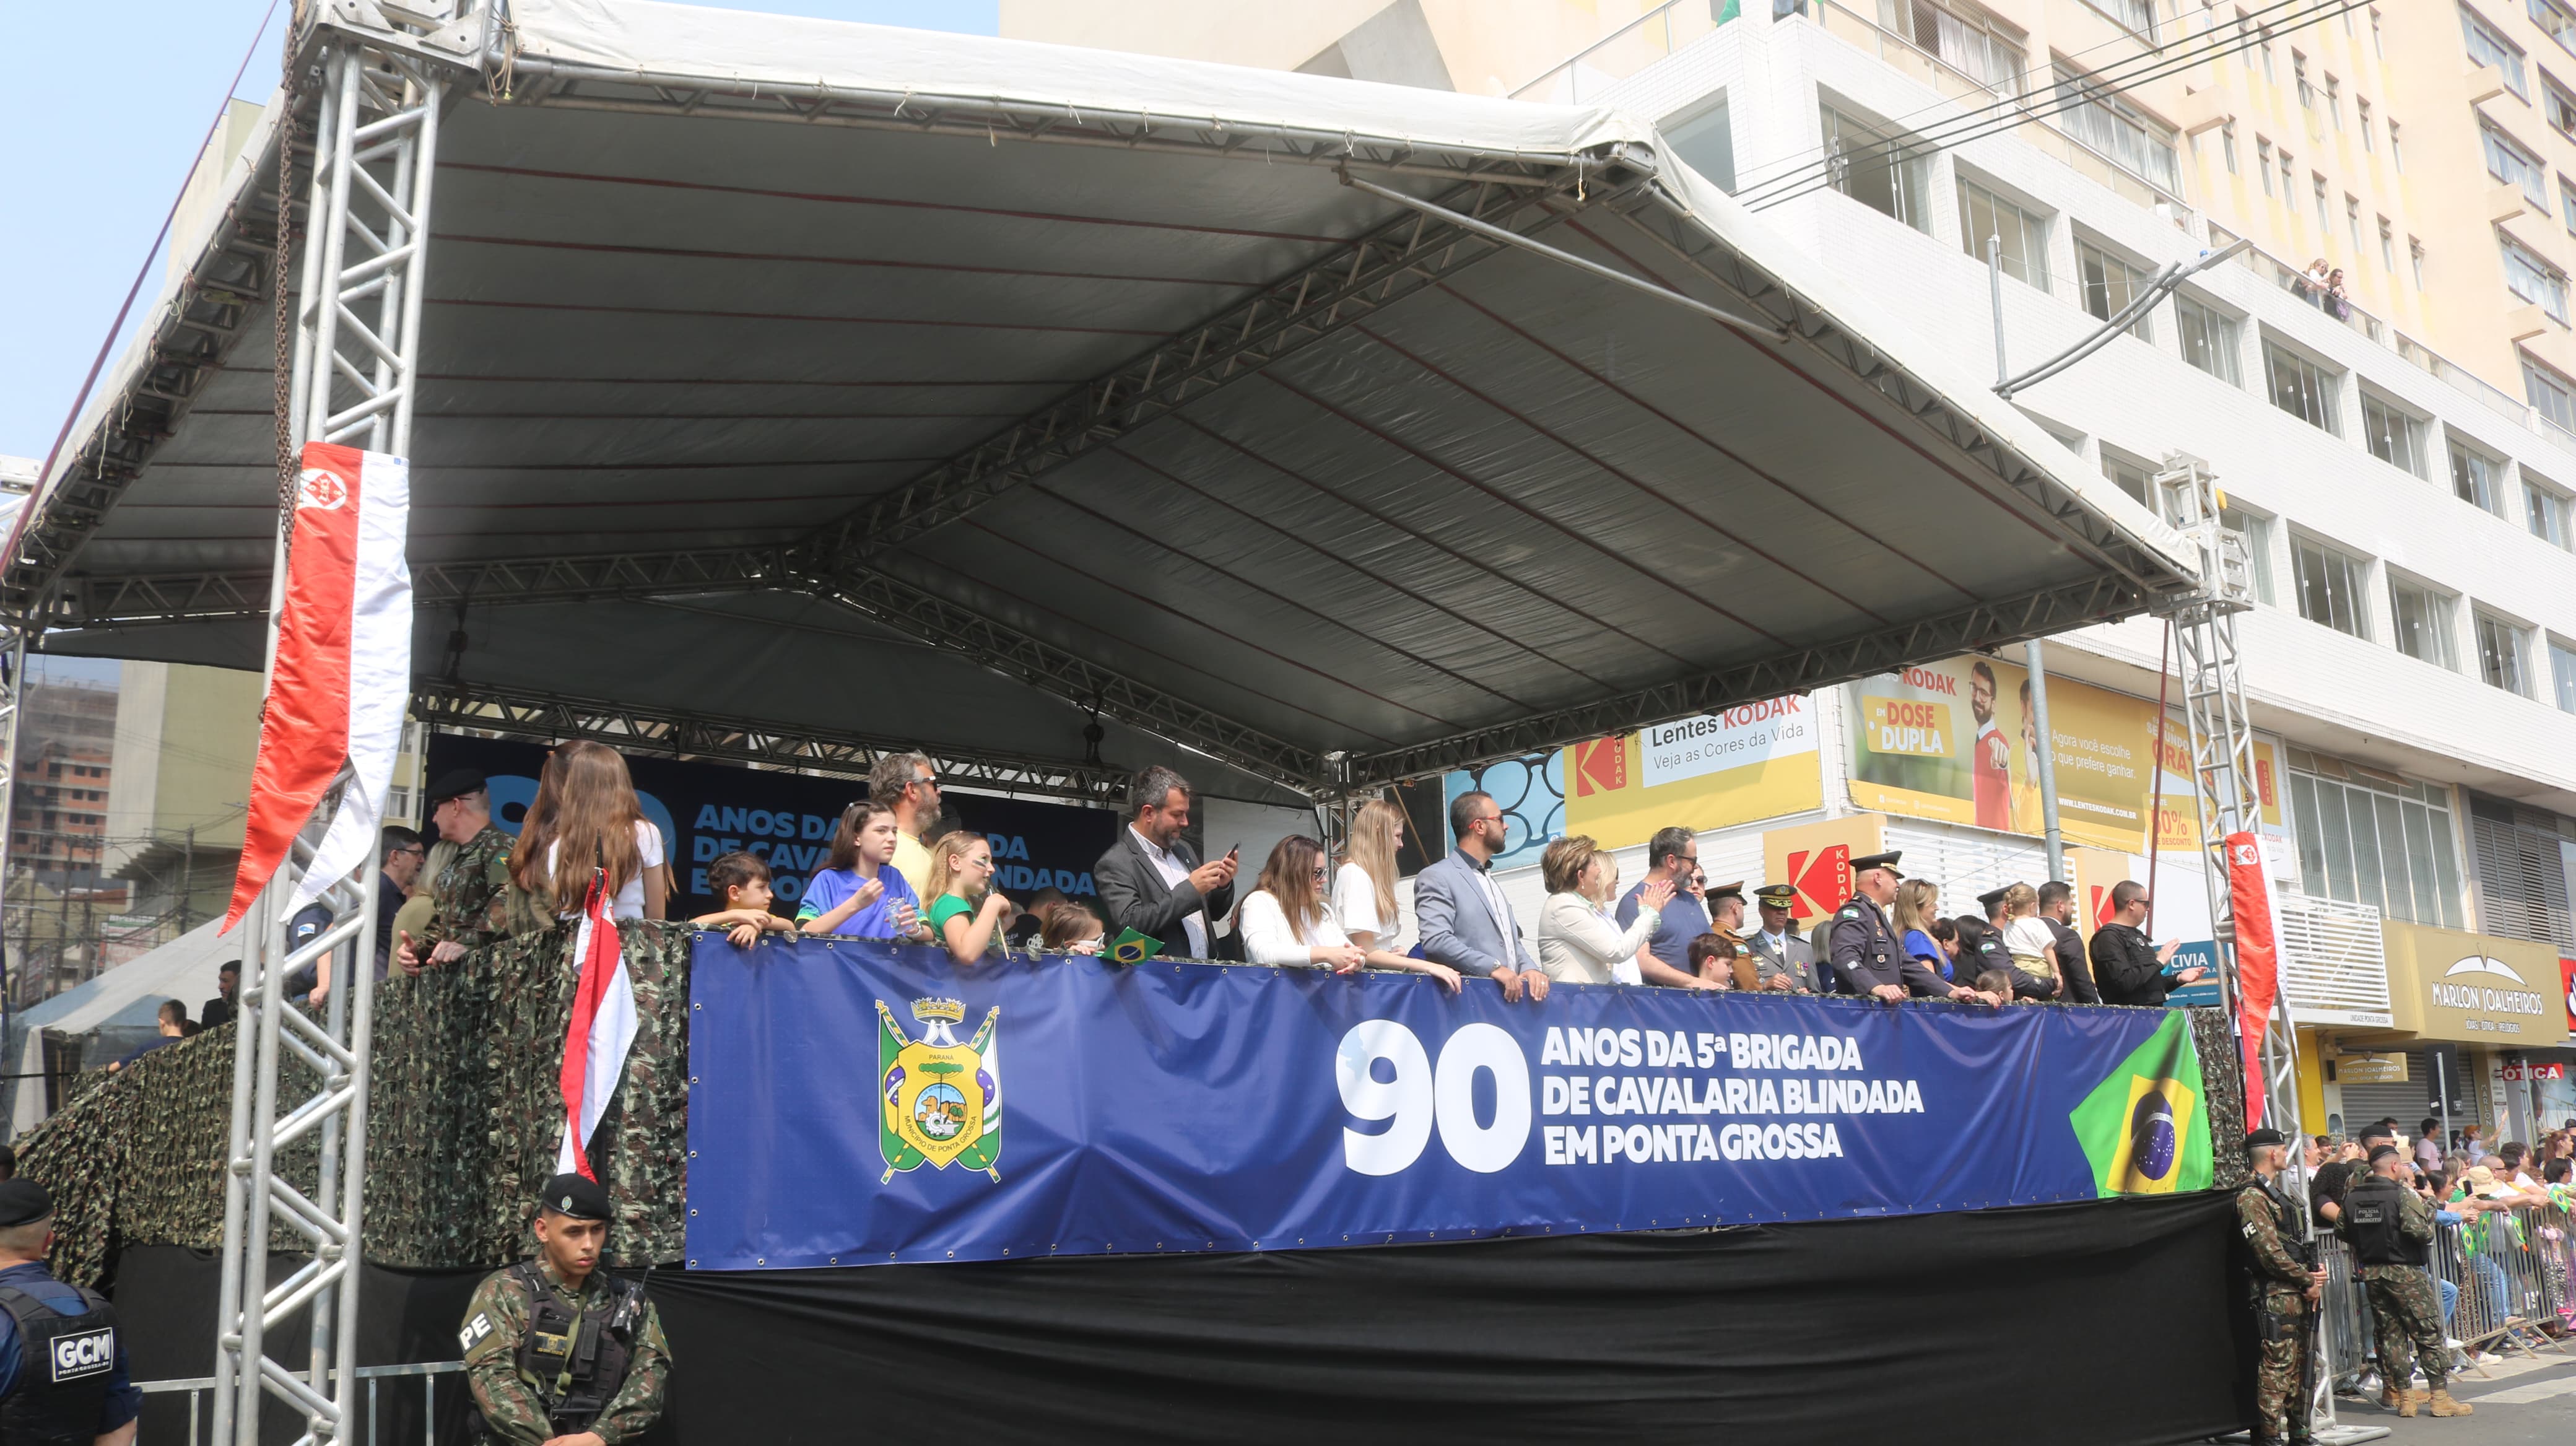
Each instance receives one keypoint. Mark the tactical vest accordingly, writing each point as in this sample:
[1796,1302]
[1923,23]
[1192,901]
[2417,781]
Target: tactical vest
[576,1360]
[65,1365]
[2289,1222]
[2372,1213]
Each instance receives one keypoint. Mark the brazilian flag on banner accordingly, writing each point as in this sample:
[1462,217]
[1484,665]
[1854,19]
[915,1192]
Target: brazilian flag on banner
[2144,1127]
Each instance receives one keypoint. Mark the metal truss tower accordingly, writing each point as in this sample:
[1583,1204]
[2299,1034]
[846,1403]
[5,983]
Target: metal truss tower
[300,1083]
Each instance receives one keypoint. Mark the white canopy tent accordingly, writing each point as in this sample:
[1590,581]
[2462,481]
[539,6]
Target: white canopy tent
[183,969]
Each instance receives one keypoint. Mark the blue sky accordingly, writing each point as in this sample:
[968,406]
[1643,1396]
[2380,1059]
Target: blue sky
[102,110]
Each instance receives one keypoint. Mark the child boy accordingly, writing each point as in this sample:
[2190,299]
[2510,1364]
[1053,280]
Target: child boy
[743,879]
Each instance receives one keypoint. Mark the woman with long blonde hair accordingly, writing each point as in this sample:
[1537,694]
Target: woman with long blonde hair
[1286,920]
[966,912]
[1364,887]
[593,820]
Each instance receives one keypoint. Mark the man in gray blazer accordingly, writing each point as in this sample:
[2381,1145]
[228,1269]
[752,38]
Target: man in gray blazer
[1466,922]
[1150,882]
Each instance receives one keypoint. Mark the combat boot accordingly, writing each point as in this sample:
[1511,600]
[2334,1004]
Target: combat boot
[2443,1405]
[2391,1398]
[2408,1401]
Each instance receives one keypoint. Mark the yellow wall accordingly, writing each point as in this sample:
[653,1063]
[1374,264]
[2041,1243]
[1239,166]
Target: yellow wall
[2312,1083]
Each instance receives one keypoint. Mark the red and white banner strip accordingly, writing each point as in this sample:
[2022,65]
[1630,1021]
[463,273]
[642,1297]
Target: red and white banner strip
[601,1030]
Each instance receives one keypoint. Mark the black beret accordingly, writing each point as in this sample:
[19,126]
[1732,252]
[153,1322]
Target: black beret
[455,783]
[575,1198]
[2264,1137]
[2382,1152]
[23,1202]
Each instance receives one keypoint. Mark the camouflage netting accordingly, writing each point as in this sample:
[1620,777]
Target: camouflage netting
[2224,1078]
[465,1115]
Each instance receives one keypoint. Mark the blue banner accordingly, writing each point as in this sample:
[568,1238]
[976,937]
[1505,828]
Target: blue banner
[859,1103]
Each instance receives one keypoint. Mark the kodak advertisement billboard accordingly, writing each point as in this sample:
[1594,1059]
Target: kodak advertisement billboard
[1753,761]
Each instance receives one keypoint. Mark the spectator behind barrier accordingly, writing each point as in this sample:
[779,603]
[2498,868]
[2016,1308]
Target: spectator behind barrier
[2074,972]
[1031,924]
[966,912]
[1285,920]
[2032,946]
[1577,941]
[2126,968]
[595,823]
[219,1009]
[1712,957]
[859,893]
[907,784]
[1917,909]
[1364,886]
[1151,881]
[1467,924]
[743,881]
[399,853]
[172,1020]
[1672,856]
[1074,929]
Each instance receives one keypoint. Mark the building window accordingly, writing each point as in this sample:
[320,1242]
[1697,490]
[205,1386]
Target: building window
[2132,479]
[2528,275]
[2487,46]
[2510,161]
[2269,78]
[2352,221]
[2545,508]
[1706,143]
[2227,145]
[2396,151]
[2371,838]
[2503,654]
[2299,78]
[1963,40]
[2300,387]
[2361,110]
[2421,619]
[2387,246]
[2263,162]
[2550,393]
[2104,120]
[2256,535]
[2209,338]
[2289,179]
[2110,284]
[2330,588]
[1982,214]
[2567,203]
[2562,671]
[2415,258]
[2476,478]
[2559,105]
[2334,99]
[2394,437]
[2317,183]
[2375,47]
[2138,17]
[1888,173]
[2556,21]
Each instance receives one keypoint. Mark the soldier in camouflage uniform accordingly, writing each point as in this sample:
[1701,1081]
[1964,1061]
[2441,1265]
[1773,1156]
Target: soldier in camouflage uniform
[556,1353]
[2389,1228]
[473,891]
[2285,1287]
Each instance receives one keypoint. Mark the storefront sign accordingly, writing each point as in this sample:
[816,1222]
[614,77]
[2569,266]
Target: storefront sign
[2567,992]
[1817,858]
[1716,770]
[2473,988]
[2370,1069]
[2516,1072]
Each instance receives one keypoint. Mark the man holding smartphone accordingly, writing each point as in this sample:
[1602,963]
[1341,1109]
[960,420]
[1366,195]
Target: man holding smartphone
[1151,882]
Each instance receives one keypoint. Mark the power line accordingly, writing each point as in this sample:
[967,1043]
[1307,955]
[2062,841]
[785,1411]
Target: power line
[2089,90]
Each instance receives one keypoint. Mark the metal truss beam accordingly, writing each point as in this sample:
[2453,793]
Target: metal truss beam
[109,601]
[1356,281]
[1985,626]
[549,717]
[1662,218]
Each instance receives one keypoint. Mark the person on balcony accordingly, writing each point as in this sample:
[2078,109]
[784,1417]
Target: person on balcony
[1285,920]
[1151,881]
[1467,924]
[1578,942]
[966,912]
[473,889]
[859,892]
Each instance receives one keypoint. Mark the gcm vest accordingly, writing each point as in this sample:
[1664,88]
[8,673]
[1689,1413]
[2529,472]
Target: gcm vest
[65,1364]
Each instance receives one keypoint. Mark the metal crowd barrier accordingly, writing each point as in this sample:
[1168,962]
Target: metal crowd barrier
[2503,1278]
[201,1390]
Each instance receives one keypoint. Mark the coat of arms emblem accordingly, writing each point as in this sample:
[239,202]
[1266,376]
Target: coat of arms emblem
[942,1100]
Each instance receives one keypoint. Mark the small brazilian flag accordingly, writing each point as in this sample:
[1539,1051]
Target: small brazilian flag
[1131,947]
[2143,1127]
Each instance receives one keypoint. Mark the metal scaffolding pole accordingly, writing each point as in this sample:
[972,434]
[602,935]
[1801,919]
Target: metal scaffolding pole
[296,1077]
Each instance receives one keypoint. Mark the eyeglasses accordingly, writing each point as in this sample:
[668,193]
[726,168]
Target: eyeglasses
[1319,873]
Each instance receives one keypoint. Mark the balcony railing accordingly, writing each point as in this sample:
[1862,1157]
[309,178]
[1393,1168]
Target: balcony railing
[1625,51]
[2334,969]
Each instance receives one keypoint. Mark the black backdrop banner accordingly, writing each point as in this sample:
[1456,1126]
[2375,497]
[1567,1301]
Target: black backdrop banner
[708,809]
[2100,1322]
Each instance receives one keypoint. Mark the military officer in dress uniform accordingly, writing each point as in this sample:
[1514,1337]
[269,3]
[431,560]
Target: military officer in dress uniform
[556,1352]
[1863,946]
[2286,1284]
[63,1372]
[1783,958]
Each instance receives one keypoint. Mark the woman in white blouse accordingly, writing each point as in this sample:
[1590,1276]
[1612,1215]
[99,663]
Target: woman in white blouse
[1577,943]
[1364,886]
[1284,920]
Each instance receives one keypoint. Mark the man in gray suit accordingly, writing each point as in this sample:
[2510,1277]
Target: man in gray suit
[1786,959]
[1151,882]
[1466,922]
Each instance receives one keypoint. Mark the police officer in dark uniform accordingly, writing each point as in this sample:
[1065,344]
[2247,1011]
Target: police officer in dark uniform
[64,1379]
[555,1349]
[1863,948]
